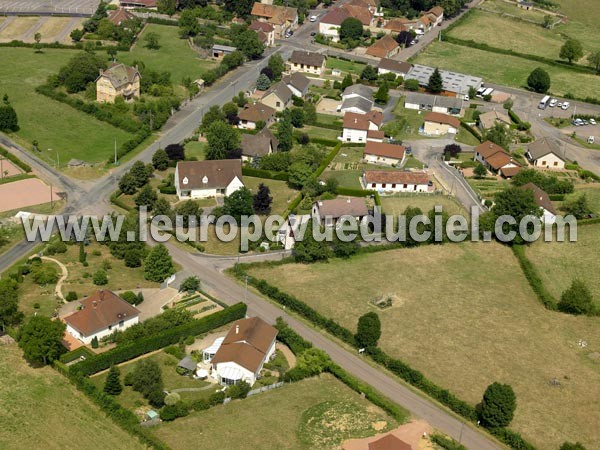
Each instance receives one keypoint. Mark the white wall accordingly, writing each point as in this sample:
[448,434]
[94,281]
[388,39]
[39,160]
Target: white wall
[350,135]
[235,184]
[103,333]
[330,31]
[551,161]
[247,376]
[247,125]
[384,160]
[391,188]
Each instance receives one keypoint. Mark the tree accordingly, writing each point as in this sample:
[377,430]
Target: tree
[594,60]
[100,278]
[112,53]
[404,38]
[310,113]
[146,197]
[539,80]
[241,8]
[347,81]
[578,207]
[263,82]
[41,339]
[297,117]
[188,210]
[382,95]
[368,330]
[168,7]
[308,250]
[498,405]
[238,204]
[77,34]
[436,82]
[94,342]
[106,29]
[261,202]
[8,116]
[9,304]
[147,377]
[160,159]
[188,23]
[112,385]
[128,184]
[151,40]
[140,173]
[411,85]
[162,207]
[222,140]
[452,150]
[517,203]
[276,65]
[508,104]
[158,265]
[547,21]
[37,37]
[299,174]
[285,133]
[351,30]
[577,299]
[499,135]
[571,446]
[190,285]
[230,110]
[480,171]
[571,50]
[214,114]
[369,73]
[248,43]
[129,297]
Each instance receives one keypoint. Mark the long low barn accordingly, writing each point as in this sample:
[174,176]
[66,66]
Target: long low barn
[455,82]
[393,181]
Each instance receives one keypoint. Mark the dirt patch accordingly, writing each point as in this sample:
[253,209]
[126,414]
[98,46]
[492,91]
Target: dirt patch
[289,355]
[8,169]
[328,106]
[379,425]
[23,193]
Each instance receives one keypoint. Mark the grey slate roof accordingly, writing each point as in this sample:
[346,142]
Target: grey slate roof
[542,147]
[434,100]
[358,89]
[453,81]
[360,103]
[281,90]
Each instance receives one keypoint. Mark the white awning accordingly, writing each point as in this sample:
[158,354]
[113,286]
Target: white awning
[214,347]
[202,373]
[231,373]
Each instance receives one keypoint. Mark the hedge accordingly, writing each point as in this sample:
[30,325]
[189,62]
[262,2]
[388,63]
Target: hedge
[293,204]
[446,442]
[115,200]
[513,116]
[556,197]
[471,130]
[167,190]
[511,438]
[328,159]
[534,279]
[12,158]
[322,141]
[121,416]
[21,176]
[329,126]
[259,173]
[160,21]
[289,337]
[71,356]
[157,341]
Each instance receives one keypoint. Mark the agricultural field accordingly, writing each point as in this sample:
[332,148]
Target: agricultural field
[473,326]
[506,70]
[318,412]
[558,263]
[43,119]
[41,409]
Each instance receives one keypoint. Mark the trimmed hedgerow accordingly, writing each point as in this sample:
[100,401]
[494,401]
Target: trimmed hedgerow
[534,279]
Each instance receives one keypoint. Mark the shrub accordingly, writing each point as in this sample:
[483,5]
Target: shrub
[100,278]
[189,340]
[216,398]
[368,330]
[172,398]
[95,342]
[239,390]
[129,297]
[498,405]
[577,299]
[172,412]
[156,398]
[71,296]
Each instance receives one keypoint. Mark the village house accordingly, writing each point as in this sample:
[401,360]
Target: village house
[130,4]
[206,179]
[255,146]
[308,62]
[489,119]
[118,16]
[396,25]
[359,11]
[436,15]
[386,47]
[393,181]
[357,98]
[118,80]
[265,31]
[282,18]
[437,124]
[435,103]
[382,153]
[278,96]
[297,83]
[248,345]
[546,153]
[100,315]
[254,113]
[329,212]
[218,50]
[291,228]
[329,25]
[495,158]
[399,68]
[362,127]
[542,199]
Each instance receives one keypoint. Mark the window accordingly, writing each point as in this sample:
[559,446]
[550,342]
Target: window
[302,66]
[383,185]
[372,185]
[109,327]
[543,163]
[556,163]
[393,185]
[278,104]
[414,187]
[404,186]
[121,323]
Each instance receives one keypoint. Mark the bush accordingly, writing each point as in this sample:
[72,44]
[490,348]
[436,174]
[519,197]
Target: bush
[189,340]
[498,405]
[577,299]
[239,390]
[172,412]
[216,398]
[129,297]
[71,296]
[100,278]
[172,398]
[156,398]
[446,442]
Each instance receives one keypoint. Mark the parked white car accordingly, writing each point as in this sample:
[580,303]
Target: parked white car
[565,105]
[553,103]
[313,18]
[592,122]
[590,140]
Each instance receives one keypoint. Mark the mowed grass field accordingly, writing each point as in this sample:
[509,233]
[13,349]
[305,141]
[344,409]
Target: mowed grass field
[174,55]
[558,263]
[506,70]
[282,194]
[396,205]
[316,413]
[54,125]
[465,316]
[41,409]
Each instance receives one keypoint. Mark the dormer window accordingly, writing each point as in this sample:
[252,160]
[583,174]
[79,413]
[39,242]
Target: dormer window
[185,180]
[205,179]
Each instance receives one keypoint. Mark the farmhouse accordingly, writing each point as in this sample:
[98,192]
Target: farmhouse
[309,62]
[386,47]
[357,99]
[497,159]
[254,113]
[381,153]
[438,124]
[359,11]
[278,96]
[435,103]
[241,355]
[118,80]
[297,83]
[256,146]
[118,16]
[489,119]
[205,179]
[362,127]
[456,83]
[265,31]
[400,68]
[101,314]
[436,15]
[546,153]
[393,181]
[329,25]
[329,212]
[282,18]
[543,201]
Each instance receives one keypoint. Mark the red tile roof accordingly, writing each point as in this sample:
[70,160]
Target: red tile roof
[356,121]
[383,47]
[396,176]
[541,197]
[257,25]
[442,118]
[389,442]
[335,16]
[385,150]
[488,148]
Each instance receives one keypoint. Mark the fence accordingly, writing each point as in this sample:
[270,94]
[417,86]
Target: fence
[265,388]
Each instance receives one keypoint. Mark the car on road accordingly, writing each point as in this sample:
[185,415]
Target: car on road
[313,18]
[553,103]
[590,140]
[413,42]
[592,122]
[313,33]
[565,105]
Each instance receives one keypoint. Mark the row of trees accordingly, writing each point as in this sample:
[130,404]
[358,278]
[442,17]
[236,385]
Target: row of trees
[8,116]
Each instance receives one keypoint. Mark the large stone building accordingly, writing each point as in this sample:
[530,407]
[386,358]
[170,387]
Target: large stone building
[118,80]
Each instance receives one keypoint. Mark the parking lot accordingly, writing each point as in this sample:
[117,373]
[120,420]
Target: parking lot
[52,29]
[82,8]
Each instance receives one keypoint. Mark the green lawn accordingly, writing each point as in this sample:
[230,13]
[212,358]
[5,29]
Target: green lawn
[317,413]
[487,188]
[465,316]
[406,125]
[281,193]
[500,6]
[592,193]
[195,149]
[396,205]
[352,67]
[54,125]
[321,133]
[174,55]
[464,137]
[505,70]
[41,409]
[10,235]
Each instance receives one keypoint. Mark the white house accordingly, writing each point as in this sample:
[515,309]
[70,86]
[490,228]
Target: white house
[543,201]
[329,212]
[205,179]
[398,68]
[545,153]
[307,62]
[291,228]
[437,124]
[382,153]
[393,181]
[254,113]
[497,159]
[241,355]
[362,127]
[329,25]
[435,103]
[357,98]
[297,83]
[101,314]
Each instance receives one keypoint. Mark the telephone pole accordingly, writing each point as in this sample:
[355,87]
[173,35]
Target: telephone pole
[115,151]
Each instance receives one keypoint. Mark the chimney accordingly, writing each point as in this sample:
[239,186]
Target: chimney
[94,304]
[237,329]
